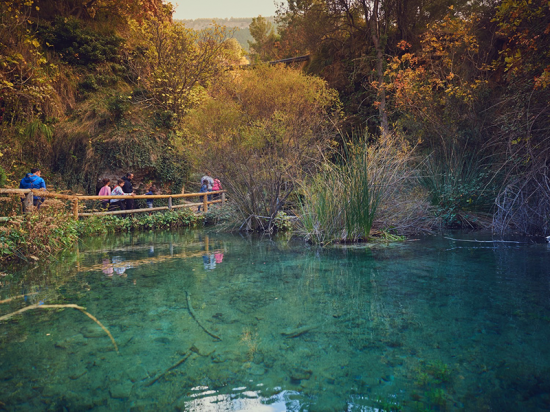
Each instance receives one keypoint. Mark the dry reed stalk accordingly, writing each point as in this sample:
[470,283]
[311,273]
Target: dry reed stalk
[70,305]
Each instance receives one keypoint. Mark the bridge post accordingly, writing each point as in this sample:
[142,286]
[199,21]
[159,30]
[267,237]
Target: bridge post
[75,208]
[223,199]
[205,203]
[169,203]
[28,202]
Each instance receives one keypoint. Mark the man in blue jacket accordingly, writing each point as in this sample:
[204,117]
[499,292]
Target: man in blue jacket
[33,180]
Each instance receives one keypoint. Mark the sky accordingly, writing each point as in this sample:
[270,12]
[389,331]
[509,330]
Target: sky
[196,9]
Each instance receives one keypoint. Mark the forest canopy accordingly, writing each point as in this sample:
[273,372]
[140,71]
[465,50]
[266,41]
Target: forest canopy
[89,89]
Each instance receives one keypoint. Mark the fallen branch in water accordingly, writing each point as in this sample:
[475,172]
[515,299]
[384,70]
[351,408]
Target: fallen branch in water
[482,241]
[300,331]
[192,312]
[174,366]
[70,305]
[17,297]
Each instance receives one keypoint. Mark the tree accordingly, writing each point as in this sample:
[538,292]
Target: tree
[183,63]
[261,133]
[265,37]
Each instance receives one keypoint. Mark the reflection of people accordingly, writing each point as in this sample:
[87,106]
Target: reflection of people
[119,267]
[206,261]
[107,267]
[33,180]
[218,256]
[209,262]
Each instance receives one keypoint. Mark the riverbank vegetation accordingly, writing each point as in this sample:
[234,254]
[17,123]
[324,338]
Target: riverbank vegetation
[41,234]
[404,119]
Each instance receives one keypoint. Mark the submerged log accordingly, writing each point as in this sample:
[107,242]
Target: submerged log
[194,316]
[174,366]
[70,305]
[300,331]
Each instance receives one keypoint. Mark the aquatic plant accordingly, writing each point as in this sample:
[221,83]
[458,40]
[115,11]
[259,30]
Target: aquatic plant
[386,405]
[440,371]
[342,201]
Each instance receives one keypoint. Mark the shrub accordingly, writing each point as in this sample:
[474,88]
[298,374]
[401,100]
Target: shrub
[79,45]
[37,235]
[109,224]
[118,105]
[3,177]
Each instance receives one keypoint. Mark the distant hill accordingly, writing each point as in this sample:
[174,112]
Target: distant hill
[233,22]
[240,24]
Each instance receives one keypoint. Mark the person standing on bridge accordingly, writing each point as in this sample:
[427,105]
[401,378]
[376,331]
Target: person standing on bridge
[215,187]
[209,181]
[128,189]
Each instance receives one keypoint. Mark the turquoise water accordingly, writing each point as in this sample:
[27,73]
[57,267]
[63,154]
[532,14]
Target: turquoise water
[433,324]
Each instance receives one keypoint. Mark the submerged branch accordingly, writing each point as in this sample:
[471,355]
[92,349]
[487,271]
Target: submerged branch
[174,366]
[70,305]
[194,316]
[483,241]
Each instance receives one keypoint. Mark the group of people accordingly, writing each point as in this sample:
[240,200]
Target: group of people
[123,187]
[209,184]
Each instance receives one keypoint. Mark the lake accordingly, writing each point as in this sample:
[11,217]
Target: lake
[204,321]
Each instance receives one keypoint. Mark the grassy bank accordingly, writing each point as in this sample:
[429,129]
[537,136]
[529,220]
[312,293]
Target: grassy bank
[40,235]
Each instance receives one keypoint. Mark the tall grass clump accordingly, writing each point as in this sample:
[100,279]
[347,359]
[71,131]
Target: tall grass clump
[344,200]
[460,186]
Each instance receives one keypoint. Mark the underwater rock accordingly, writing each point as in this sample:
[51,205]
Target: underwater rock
[121,390]
[299,374]
[137,373]
[92,332]
[299,331]
[71,342]
[78,372]
[269,361]
[218,358]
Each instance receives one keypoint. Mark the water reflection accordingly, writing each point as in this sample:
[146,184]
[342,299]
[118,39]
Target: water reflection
[218,322]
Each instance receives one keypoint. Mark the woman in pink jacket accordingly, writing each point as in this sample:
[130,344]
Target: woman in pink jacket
[105,191]
[217,186]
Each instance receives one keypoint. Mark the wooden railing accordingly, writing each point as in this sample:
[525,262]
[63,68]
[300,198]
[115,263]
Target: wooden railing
[75,199]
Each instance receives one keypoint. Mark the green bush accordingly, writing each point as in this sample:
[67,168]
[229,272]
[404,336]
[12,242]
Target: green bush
[3,177]
[118,105]
[78,45]
[283,222]
[112,224]
[36,235]
[458,186]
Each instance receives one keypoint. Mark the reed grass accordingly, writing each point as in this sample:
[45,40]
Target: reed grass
[341,202]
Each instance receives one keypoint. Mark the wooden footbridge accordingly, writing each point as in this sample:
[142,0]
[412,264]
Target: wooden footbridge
[78,200]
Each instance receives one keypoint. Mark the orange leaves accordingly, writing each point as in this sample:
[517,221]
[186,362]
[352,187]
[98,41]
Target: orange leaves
[442,73]
[526,26]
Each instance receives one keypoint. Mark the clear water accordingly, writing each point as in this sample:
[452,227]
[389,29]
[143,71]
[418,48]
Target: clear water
[432,324]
